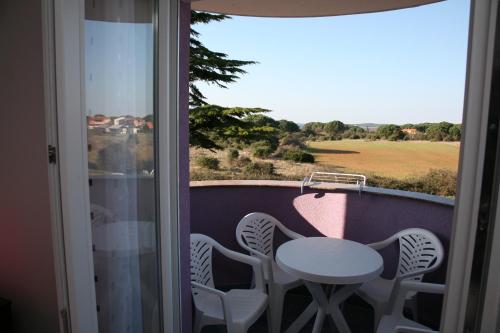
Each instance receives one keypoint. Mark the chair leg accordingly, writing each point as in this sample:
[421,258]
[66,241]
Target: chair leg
[198,322]
[269,316]
[377,315]
[412,305]
[276,298]
[232,328]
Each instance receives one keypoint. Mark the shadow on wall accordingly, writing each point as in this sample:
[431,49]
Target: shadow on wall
[365,218]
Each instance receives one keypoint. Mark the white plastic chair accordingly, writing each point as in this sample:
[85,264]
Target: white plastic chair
[394,321]
[255,233]
[100,215]
[238,309]
[420,252]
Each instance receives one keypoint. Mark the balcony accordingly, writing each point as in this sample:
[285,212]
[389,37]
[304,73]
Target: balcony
[339,211]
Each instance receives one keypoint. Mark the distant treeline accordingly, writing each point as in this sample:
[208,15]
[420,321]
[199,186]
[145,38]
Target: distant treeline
[336,130]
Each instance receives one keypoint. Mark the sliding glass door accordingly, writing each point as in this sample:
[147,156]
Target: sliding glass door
[120,115]
[116,83]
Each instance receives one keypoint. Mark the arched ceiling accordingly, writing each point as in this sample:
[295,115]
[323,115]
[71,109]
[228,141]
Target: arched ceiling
[302,8]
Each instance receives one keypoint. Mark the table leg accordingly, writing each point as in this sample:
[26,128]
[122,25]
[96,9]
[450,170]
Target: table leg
[333,306]
[321,299]
[318,322]
[303,318]
[324,306]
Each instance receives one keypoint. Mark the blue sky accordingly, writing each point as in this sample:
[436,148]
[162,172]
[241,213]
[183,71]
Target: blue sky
[391,67]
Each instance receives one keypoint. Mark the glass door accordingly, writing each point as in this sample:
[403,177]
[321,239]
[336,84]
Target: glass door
[115,79]
[119,62]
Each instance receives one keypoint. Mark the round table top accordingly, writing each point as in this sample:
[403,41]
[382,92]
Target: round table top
[329,260]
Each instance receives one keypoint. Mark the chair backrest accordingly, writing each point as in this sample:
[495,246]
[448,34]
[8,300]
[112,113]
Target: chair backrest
[257,232]
[201,261]
[419,251]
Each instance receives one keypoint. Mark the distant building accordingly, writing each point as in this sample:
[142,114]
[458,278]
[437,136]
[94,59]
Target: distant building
[98,121]
[139,122]
[410,131]
[121,129]
[119,121]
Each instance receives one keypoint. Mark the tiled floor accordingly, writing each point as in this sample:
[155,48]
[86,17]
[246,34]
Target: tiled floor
[358,315]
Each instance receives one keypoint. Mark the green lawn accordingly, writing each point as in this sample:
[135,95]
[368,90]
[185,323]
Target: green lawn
[397,159]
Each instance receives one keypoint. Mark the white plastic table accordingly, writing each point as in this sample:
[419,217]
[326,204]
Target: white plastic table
[328,261]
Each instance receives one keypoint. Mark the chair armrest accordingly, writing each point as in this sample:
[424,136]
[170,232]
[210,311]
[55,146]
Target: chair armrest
[289,233]
[256,253]
[425,287]
[219,293]
[208,289]
[252,261]
[406,329]
[380,245]
[408,276]
[401,289]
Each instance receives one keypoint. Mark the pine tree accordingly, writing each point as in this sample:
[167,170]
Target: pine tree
[211,126]
[209,66]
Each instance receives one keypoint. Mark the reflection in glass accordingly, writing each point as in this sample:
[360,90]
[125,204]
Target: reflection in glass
[119,65]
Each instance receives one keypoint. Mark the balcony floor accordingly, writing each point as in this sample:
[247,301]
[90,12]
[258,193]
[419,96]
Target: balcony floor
[358,315]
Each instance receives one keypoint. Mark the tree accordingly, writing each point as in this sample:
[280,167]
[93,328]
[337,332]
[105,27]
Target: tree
[439,131]
[334,128]
[354,132]
[209,66]
[455,132]
[260,120]
[211,126]
[390,132]
[288,126]
[313,128]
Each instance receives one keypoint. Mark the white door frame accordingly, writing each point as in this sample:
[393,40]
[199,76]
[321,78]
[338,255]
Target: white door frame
[168,161]
[72,174]
[54,183]
[476,109]
[66,124]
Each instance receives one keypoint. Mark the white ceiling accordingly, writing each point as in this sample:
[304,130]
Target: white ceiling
[302,8]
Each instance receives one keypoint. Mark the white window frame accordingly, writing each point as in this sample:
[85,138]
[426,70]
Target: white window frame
[66,125]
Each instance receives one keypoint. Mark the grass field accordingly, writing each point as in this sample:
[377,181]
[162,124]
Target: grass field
[396,159]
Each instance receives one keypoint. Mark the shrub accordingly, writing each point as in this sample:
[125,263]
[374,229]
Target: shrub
[259,169]
[243,161]
[207,162]
[439,182]
[263,149]
[372,136]
[293,139]
[297,155]
[233,154]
